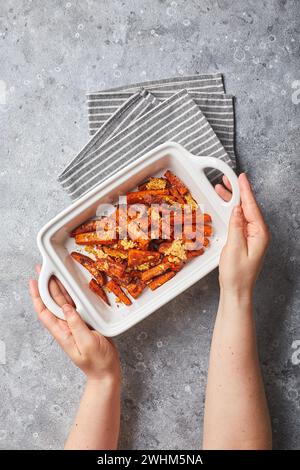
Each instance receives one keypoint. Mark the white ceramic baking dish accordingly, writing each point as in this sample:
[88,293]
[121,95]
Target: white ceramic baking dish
[55,243]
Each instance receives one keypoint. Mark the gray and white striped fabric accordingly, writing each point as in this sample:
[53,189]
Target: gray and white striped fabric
[207,91]
[130,110]
[127,122]
[177,118]
[104,103]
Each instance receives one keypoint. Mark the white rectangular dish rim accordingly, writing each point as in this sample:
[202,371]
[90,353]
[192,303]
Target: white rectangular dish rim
[193,166]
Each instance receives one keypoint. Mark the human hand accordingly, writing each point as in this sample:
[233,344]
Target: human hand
[248,238]
[94,354]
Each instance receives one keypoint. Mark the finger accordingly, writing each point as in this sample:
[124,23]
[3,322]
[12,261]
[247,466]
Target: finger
[63,324]
[68,298]
[236,234]
[45,316]
[57,290]
[82,335]
[227,183]
[250,208]
[222,192]
[58,328]
[56,293]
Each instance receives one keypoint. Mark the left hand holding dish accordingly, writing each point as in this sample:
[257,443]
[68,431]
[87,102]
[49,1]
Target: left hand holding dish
[94,354]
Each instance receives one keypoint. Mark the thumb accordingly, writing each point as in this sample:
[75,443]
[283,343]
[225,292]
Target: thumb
[236,235]
[81,333]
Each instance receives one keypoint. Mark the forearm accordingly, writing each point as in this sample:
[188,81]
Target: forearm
[97,422]
[236,412]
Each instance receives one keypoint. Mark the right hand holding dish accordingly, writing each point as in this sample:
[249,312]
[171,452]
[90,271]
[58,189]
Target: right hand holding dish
[248,238]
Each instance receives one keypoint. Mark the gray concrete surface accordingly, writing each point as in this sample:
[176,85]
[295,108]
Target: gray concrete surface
[51,53]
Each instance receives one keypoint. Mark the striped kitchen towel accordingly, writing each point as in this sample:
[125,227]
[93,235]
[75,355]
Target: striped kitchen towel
[130,110]
[129,121]
[207,91]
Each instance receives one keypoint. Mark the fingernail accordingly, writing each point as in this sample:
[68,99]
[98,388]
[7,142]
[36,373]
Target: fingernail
[244,175]
[68,310]
[237,211]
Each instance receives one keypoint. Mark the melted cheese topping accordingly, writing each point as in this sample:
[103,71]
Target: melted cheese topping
[96,252]
[127,244]
[156,183]
[171,200]
[177,250]
[174,259]
[118,254]
[190,201]
[143,267]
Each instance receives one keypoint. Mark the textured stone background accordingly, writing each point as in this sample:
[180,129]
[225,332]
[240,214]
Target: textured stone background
[52,52]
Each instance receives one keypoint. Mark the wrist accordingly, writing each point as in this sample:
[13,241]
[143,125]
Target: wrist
[236,296]
[109,377]
[106,380]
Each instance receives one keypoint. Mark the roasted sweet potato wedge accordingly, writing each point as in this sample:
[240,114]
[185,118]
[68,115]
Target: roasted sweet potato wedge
[114,287]
[126,279]
[194,253]
[135,288]
[175,265]
[175,193]
[164,246]
[155,271]
[175,181]
[89,264]
[191,245]
[187,217]
[160,280]
[142,196]
[143,244]
[134,273]
[104,223]
[207,230]
[116,252]
[111,267]
[138,257]
[97,289]
[207,218]
[95,238]
[107,223]
[89,226]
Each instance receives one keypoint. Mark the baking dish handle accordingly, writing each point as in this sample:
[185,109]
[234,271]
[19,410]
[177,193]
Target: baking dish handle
[210,162]
[44,278]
